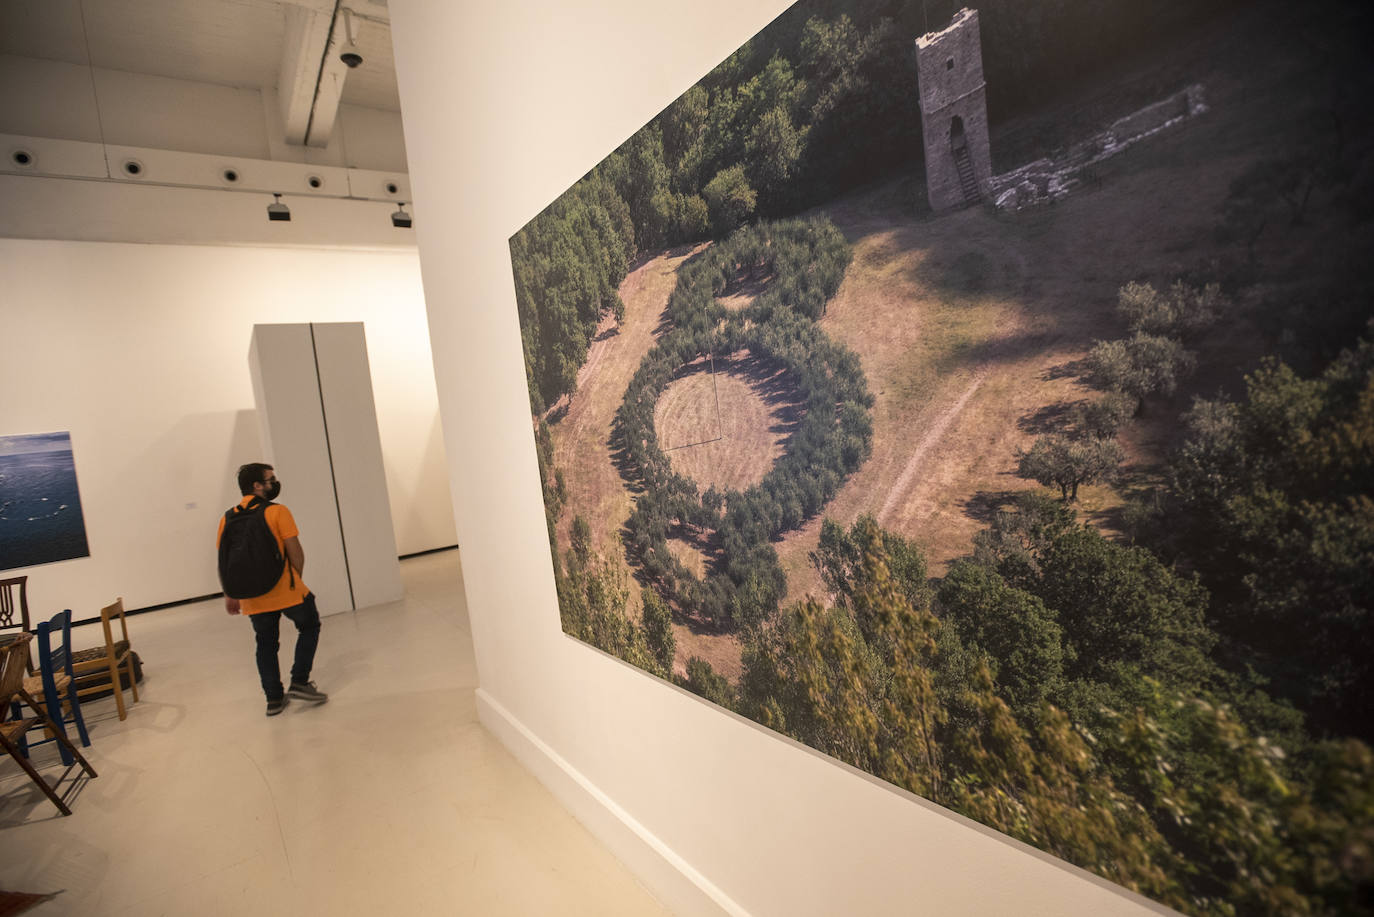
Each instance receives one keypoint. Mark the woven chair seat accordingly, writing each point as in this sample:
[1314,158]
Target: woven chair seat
[34,684]
[98,652]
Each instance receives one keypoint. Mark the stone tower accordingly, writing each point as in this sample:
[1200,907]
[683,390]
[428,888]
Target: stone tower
[954,113]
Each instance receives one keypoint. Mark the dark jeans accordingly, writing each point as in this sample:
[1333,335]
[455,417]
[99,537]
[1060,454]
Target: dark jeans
[267,627]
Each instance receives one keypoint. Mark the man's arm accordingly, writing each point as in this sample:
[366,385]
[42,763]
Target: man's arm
[295,553]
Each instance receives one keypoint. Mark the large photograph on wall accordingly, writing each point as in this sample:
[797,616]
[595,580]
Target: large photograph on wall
[985,398]
[40,505]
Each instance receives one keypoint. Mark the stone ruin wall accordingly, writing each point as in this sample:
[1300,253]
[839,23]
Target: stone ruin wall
[1047,180]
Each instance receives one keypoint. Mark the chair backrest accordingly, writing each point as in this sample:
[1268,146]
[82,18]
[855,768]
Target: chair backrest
[14,667]
[110,611]
[55,659]
[14,614]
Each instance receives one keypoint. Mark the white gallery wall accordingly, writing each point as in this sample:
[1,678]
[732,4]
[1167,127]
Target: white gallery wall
[505,106]
[141,352]
[127,306]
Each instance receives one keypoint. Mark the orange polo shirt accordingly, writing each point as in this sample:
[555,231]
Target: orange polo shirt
[285,594]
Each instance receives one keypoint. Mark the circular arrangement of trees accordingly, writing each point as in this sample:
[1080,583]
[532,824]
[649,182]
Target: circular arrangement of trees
[806,260]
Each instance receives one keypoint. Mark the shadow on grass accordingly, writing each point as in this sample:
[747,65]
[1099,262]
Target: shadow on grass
[1142,489]
[620,458]
[1009,348]
[560,410]
[676,251]
[1052,418]
[984,505]
[1071,369]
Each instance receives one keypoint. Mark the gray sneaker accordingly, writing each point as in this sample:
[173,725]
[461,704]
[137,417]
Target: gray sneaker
[307,692]
[276,706]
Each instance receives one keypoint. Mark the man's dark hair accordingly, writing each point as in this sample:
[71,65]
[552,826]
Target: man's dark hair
[251,474]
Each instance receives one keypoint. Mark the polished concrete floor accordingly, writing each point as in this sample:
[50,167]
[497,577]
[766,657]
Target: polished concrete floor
[390,799]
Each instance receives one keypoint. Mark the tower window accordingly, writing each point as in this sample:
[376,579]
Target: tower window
[949,64]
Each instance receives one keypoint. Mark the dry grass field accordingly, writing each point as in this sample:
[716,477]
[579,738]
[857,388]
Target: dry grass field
[970,327]
[581,435]
[726,428]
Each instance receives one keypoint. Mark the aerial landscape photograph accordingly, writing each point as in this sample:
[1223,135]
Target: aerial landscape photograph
[984,397]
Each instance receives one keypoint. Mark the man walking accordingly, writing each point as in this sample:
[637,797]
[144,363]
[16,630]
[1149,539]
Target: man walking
[289,596]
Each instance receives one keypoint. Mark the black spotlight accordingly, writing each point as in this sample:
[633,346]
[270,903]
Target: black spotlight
[277,210]
[400,219]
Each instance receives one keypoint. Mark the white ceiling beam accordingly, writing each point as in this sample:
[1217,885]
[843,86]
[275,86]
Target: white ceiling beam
[304,45]
[330,88]
[371,10]
[311,81]
[374,10]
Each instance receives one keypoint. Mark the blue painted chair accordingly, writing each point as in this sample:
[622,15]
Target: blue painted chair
[55,684]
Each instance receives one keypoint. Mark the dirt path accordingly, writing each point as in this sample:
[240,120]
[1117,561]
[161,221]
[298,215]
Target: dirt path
[581,438]
[934,433]
[952,328]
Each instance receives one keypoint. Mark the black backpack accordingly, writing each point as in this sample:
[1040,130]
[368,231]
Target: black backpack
[250,562]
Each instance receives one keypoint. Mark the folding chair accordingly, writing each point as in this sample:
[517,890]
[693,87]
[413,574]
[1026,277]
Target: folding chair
[14,662]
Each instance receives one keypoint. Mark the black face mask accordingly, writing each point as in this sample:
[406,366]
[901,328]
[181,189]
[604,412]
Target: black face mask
[273,490]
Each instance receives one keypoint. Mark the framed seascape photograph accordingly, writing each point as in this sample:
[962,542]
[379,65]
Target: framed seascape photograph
[984,397]
[40,504]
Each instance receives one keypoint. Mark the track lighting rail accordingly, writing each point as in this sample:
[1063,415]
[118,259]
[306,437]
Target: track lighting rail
[83,160]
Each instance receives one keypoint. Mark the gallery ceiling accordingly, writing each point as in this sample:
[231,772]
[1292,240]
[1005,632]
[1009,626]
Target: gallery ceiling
[239,43]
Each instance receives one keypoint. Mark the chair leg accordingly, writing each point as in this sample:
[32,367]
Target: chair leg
[118,691]
[85,765]
[16,712]
[57,726]
[74,703]
[35,776]
[60,736]
[133,685]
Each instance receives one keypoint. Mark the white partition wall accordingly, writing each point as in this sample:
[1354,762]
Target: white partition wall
[287,393]
[355,451]
[313,391]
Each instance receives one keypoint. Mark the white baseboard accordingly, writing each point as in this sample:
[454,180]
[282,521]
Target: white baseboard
[680,887]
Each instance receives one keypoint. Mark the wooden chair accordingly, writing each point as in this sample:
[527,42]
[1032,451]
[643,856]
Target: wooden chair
[55,684]
[14,615]
[14,665]
[112,657]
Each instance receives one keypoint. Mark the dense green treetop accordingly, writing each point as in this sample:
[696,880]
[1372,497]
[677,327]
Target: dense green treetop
[1272,501]
[1164,789]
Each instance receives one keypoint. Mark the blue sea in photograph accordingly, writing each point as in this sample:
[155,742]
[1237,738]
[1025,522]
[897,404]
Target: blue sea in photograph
[40,505]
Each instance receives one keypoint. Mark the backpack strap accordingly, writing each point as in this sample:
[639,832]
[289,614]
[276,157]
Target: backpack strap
[252,504]
[259,502]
